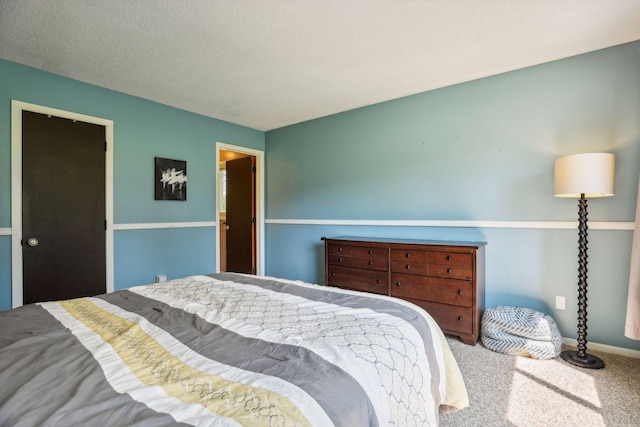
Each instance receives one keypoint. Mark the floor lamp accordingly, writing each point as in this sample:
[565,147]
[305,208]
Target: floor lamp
[584,176]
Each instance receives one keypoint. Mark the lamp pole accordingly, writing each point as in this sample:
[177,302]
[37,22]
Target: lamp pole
[581,357]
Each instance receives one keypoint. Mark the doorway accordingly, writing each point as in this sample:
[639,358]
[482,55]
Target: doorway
[239,211]
[54,247]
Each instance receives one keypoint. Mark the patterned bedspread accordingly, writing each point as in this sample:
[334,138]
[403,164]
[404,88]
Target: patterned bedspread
[225,350]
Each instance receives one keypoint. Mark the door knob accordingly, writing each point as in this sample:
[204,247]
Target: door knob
[32,242]
[226,227]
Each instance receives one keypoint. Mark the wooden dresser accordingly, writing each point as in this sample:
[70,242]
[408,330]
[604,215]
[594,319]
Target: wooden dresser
[445,278]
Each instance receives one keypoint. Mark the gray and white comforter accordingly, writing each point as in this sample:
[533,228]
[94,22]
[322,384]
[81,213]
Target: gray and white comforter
[225,350]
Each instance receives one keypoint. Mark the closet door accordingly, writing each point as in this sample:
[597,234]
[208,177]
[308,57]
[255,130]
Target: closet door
[63,208]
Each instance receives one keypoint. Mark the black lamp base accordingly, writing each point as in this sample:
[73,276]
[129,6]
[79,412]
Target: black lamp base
[589,361]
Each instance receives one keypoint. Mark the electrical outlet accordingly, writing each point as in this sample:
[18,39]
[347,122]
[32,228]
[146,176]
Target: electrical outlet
[560,303]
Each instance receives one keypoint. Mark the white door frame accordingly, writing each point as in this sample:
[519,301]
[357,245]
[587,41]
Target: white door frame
[259,202]
[17,107]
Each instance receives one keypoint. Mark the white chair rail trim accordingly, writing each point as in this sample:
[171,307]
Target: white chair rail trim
[159,225]
[593,225]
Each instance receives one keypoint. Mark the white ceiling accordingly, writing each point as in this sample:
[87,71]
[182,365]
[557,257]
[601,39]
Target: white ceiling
[267,64]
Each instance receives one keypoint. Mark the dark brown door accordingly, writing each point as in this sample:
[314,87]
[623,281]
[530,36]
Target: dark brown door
[241,215]
[63,208]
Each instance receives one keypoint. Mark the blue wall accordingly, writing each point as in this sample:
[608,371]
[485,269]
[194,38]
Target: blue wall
[479,151]
[142,131]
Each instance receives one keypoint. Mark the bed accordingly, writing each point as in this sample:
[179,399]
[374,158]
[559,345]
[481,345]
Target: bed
[226,350]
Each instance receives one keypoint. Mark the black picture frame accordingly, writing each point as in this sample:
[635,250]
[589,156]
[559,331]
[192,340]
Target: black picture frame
[170,179]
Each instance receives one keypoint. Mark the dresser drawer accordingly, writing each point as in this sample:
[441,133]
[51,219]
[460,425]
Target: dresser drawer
[344,250]
[342,260]
[450,258]
[449,318]
[409,267]
[462,272]
[381,264]
[371,252]
[453,292]
[409,255]
[361,280]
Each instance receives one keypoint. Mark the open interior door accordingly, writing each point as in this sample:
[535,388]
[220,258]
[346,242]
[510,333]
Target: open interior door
[241,215]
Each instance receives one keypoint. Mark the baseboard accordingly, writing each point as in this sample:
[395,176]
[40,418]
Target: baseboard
[605,348]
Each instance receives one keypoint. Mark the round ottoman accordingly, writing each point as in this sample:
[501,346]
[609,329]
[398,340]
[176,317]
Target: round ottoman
[520,331]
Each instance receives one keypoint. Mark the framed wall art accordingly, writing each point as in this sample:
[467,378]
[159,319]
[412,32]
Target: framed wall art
[170,179]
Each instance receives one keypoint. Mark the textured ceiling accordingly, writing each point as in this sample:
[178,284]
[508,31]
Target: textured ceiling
[268,64]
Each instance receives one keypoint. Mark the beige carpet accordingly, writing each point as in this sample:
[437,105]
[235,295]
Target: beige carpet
[518,391]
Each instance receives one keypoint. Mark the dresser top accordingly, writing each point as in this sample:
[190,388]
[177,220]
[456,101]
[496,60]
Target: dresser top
[407,241]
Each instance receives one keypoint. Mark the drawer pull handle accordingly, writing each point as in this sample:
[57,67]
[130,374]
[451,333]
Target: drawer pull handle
[339,259]
[459,317]
[370,252]
[339,249]
[459,291]
[448,271]
[379,281]
[408,254]
[397,283]
[370,263]
[408,266]
[333,274]
[448,257]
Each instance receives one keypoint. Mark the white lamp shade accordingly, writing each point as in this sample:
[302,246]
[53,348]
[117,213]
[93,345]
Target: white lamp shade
[591,174]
